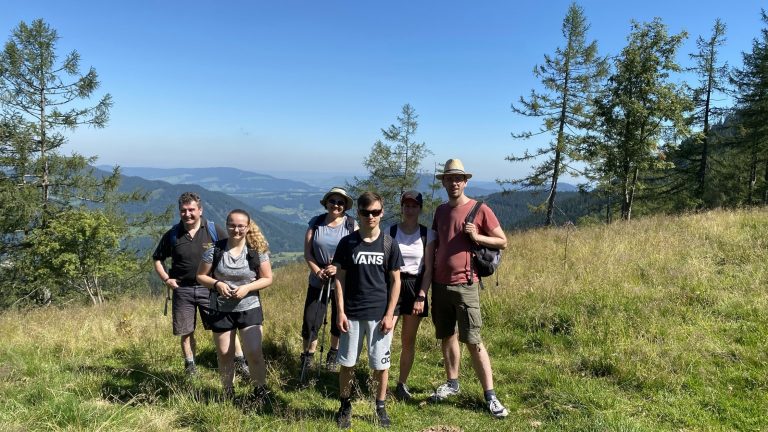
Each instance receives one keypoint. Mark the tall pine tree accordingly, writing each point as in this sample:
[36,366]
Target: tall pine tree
[570,79]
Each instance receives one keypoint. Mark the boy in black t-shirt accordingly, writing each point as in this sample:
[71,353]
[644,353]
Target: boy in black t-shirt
[368,265]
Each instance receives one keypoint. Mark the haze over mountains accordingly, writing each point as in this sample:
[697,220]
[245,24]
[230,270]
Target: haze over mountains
[283,206]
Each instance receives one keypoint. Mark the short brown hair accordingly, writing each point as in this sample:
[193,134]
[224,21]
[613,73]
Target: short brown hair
[368,198]
[188,197]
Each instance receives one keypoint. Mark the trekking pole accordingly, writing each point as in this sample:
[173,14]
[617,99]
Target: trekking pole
[325,321]
[167,297]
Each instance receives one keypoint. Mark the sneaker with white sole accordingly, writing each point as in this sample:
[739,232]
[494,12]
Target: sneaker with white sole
[443,391]
[241,368]
[497,409]
[402,393]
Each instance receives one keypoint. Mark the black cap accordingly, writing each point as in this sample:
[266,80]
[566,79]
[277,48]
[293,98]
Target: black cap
[412,195]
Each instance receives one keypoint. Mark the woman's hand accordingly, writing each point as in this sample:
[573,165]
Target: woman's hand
[238,292]
[330,270]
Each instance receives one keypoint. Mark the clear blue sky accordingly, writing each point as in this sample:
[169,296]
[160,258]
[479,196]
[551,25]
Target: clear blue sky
[307,85]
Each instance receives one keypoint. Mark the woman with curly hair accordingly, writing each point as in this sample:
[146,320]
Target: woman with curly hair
[236,269]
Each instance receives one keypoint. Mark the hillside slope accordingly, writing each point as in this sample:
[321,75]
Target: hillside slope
[658,324]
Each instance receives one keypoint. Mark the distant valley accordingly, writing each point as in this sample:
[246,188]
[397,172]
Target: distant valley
[282,207]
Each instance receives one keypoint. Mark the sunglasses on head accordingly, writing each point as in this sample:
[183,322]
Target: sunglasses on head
[369,213]
[337,203]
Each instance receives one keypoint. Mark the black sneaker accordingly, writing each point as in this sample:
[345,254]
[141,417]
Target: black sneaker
[261,395]
[402,393]
[344,417]
[241,368]
[330,360]
[189,368]
[306,366]
[381,414]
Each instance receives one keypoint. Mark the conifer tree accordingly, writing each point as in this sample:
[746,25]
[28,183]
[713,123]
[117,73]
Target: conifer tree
[570,79]
[394,165]
[641,111]
[751,82]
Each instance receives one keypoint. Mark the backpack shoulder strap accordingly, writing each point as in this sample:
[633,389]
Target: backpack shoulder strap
[472,213]
[174,234]
[387,250]
[253,261]
[218,252]
[212,231]
[350,224]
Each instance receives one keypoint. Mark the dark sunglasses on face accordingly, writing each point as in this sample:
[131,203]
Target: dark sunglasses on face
[340,203]
[369,213]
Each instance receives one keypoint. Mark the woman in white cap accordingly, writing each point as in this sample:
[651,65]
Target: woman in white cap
[414,240]
[320,241]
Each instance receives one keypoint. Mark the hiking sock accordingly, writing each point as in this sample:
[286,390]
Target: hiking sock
[379,404]
[489,395]
[453,383]
[346,402]
[188,360]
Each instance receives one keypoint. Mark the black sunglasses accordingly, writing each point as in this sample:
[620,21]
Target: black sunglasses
[342,203]
[369,213]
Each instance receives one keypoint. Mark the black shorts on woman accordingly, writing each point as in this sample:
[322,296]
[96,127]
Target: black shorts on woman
[409,290]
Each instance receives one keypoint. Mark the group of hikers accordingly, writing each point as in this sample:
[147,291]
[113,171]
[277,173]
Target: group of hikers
[372,277]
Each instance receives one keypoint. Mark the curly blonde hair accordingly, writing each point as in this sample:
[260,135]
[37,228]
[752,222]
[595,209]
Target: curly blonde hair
[254,238]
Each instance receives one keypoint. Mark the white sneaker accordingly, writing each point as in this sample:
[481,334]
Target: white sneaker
[442,392]
[497,409]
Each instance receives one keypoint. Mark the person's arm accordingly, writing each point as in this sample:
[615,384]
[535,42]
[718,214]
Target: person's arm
[264,280]
[207,281]
[341,318]
[309,257]
[388,323]
[164,276]
[426,279]
[496,237]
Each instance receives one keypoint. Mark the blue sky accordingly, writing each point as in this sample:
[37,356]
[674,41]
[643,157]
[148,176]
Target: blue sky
[284,86]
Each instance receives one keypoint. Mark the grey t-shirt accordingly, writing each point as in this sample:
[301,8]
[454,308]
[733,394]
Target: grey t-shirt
[324,242]
[234,271]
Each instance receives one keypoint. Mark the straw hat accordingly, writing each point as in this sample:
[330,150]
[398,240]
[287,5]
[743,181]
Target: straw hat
[454,166]
[338,191]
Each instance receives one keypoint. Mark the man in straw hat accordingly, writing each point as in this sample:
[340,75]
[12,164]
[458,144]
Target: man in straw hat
[455,295]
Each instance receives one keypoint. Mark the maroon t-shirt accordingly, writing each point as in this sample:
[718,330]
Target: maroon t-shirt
[452,256]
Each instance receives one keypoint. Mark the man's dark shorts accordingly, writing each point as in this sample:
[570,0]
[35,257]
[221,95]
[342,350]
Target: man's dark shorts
[220,322]
[452,304]
[186,301]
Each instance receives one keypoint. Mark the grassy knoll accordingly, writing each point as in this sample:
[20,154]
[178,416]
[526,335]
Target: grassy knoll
[661,324]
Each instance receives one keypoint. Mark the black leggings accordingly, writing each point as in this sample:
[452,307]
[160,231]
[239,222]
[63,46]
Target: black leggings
[315,308]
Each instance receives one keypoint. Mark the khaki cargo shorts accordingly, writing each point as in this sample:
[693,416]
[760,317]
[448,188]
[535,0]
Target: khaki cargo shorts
[457,304]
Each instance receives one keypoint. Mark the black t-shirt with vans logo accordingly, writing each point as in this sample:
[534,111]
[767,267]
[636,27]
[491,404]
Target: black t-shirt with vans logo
[366,283]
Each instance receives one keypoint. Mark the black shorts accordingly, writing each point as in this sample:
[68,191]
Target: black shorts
[315,307]
[187,301]
[409,289]
[220,322]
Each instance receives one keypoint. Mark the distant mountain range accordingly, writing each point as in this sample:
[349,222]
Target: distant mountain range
[291,200]
[282,207]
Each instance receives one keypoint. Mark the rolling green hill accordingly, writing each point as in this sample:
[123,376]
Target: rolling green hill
[659,324]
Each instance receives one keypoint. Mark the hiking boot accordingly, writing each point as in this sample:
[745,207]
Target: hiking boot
[381,414]
[496,408]
[402,393]
[262,395]
[344,417]
[330,360]
[443,392]
[189,368]
[241,368]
